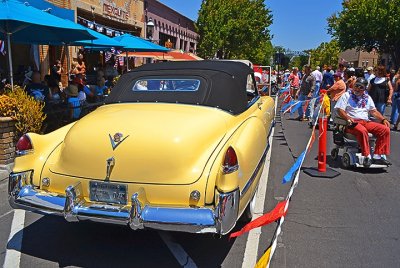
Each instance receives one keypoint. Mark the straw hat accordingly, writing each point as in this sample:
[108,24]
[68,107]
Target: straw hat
[71,90]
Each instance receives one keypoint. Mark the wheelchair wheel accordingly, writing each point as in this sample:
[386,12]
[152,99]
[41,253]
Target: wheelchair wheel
[335,154]
[346,162]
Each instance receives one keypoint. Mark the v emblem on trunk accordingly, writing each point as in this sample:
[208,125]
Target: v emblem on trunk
[116,140]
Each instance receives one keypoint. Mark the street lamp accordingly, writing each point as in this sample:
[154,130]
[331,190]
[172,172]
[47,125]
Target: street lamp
[149,29]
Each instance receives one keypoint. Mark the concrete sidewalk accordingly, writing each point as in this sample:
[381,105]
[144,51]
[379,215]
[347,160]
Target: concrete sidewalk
[3,174]
[5,170]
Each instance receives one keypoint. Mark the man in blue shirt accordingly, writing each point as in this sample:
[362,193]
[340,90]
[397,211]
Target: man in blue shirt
[327,79]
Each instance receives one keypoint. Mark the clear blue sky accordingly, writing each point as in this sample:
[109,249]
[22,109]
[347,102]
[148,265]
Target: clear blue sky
[297,25]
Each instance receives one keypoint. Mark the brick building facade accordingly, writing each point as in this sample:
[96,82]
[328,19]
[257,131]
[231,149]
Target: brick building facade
[170,27]
[361,59]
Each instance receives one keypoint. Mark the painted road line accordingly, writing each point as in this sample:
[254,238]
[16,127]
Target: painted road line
[252,243]
[14,244]
[5,214]
[179,253]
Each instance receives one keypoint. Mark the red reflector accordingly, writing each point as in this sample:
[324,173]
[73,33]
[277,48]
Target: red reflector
[230,162]
[24,144]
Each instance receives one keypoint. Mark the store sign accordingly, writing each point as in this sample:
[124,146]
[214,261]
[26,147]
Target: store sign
[115,12]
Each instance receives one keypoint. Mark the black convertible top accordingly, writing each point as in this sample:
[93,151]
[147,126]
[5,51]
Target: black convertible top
[222,84]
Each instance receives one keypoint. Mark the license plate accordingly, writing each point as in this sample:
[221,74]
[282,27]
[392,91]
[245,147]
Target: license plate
[108,192]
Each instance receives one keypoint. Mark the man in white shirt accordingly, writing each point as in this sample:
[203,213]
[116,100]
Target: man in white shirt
[369,75]
[355,106]
[318,79]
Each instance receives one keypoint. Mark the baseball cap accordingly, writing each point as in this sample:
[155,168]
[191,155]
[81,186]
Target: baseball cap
[338,74]
[361,82]
[370,68]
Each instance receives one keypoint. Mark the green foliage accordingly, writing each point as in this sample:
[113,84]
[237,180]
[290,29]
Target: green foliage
[326,53]
[24,109]
[368,25]
[237,29]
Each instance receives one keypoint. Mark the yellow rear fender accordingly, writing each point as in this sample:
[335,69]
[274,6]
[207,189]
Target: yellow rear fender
[43,146]
[249,142]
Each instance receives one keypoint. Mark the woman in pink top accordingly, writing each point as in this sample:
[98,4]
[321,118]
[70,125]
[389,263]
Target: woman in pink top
[294,82]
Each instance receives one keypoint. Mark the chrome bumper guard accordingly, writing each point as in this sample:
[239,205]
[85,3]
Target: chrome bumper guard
[139,215]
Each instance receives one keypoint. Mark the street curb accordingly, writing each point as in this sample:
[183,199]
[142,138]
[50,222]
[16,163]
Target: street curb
[5,170]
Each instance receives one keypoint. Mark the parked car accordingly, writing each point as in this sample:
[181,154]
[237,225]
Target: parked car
[177,146]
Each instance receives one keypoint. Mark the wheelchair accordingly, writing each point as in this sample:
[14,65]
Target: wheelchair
[347,146]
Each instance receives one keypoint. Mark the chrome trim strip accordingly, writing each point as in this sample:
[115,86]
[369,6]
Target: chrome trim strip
[254,100]
[228,169]
[139,215]
[23,152]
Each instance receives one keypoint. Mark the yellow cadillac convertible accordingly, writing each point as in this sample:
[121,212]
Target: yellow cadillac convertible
[178,146]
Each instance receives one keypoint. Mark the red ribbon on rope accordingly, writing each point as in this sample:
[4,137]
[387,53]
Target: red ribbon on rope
[272,216]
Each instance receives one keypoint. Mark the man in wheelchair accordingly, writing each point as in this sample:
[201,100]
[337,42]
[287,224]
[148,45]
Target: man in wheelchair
[354,108]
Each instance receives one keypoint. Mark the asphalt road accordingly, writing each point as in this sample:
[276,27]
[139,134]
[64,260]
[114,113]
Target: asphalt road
[349,221]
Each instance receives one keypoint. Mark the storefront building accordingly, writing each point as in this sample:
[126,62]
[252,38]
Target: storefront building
[358,58]
[109,17]
[171,29]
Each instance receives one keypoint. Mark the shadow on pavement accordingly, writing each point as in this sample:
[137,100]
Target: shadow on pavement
[88,244]
[336,164]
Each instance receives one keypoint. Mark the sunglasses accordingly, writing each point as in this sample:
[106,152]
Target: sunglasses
[358,86]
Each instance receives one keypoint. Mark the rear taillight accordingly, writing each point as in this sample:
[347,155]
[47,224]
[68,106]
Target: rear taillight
[230,163]
[24,145]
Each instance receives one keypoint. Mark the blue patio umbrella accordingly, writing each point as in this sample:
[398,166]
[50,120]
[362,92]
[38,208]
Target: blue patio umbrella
[22,23]
[101,41]
[137,44]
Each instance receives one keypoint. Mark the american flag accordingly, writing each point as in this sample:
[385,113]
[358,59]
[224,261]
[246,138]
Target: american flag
[2,47]
[108,56]
[121,61]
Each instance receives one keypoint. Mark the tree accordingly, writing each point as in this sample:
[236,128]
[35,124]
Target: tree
[326,53]
[368,25]
[235,29]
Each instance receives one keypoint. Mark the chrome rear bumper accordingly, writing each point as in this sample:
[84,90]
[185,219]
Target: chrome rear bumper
[139,215]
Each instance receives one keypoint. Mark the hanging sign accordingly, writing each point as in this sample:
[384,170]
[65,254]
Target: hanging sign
[112,11]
